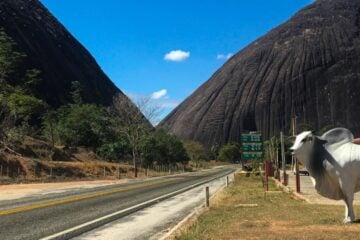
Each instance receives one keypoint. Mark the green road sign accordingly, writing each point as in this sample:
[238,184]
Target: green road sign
[251,138]
[252,146]
[252,156]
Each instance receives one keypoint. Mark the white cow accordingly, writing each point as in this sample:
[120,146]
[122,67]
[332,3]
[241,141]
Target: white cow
[333,162]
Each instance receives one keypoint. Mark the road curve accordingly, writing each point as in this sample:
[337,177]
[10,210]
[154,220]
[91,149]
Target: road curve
[40,217]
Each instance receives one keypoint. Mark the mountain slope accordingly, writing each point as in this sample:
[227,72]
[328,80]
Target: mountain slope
[308,67]
[50,48]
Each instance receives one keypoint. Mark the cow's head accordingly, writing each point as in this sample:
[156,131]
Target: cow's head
[302,141]
[306,143]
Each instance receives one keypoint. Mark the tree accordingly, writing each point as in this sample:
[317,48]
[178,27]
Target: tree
[9,59]
[214,152]
[21,105]
[163,141]
[149,109]
[130,122]
[195,151]
[230,153]
[114,151]
[149,150]
[49,119]
[163,148]
[18,105]
[177,151]
[82,125]
[271,147]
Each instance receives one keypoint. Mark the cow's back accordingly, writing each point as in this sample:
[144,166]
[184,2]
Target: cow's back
[347,157]
[346,153]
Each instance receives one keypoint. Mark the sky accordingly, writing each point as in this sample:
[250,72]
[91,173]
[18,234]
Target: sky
[165,49]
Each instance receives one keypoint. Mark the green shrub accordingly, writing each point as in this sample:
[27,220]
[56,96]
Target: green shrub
[82,125]
[230,153]
[114,151]
[162,148]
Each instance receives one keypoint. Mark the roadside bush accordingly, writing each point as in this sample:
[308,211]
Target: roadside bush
[81,125]
[230,153]
[162,148]
[214,152]
[195,150]
[149,150]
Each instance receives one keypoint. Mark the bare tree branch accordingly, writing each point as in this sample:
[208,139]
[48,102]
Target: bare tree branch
[131,123]
[149,109]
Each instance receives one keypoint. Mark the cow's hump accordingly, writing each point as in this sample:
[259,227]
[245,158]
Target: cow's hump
[337,137]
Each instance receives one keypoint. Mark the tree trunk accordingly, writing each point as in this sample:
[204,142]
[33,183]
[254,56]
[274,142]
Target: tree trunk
[52,134]
[135,164]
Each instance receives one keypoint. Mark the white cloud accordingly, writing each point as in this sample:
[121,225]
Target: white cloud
[224,56]
[159,94]
[177,56]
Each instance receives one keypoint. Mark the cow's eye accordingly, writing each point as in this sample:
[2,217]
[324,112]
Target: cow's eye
[304,140]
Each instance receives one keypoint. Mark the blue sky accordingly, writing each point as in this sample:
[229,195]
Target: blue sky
[167,48]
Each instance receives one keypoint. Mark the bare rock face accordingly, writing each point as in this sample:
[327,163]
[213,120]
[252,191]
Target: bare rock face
[51,49]
[308,66]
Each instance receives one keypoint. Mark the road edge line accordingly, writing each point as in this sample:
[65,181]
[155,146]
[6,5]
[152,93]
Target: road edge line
[195,213]
[85,227]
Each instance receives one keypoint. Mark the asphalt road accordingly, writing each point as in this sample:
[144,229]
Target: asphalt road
[41,216]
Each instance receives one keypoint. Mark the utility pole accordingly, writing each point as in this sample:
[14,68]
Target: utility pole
[283,157]
[293,119]
[277,161]
[293,158]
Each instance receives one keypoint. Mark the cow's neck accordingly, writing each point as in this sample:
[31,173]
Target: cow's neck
[313,164]
[323,182]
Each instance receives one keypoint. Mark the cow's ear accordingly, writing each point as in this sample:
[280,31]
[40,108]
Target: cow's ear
[292,139]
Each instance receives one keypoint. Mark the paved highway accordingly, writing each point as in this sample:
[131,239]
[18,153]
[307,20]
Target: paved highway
[39,217]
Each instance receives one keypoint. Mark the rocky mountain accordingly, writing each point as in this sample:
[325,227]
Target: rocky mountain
[50,48]
[308,67]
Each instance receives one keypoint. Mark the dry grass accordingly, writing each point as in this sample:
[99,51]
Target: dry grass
[37,161]
[18,169]
[277,216]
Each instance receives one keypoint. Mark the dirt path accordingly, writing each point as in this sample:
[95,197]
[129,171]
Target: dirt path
[308,191]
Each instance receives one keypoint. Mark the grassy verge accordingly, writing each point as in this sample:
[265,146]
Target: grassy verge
[276,216]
